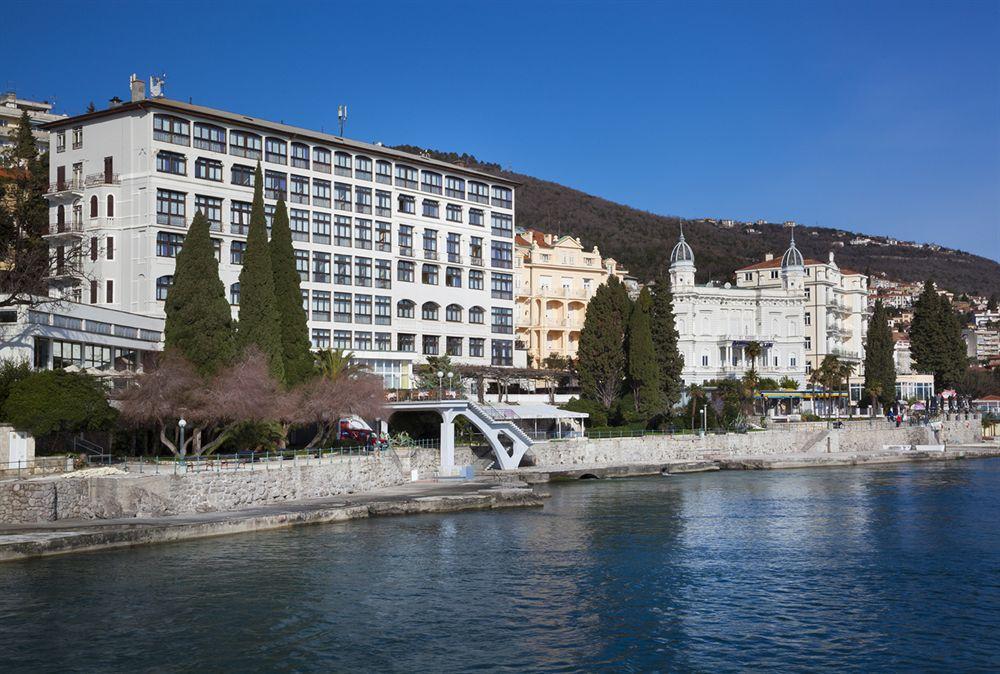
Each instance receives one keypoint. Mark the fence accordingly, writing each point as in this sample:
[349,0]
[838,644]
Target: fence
[249,461]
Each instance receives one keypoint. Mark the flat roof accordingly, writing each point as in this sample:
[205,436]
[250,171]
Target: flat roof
[245,120]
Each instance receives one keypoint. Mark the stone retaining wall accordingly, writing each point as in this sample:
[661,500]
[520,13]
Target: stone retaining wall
[854,437]
[49,499]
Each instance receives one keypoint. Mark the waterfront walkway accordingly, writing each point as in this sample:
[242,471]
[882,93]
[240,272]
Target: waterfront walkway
[18,541]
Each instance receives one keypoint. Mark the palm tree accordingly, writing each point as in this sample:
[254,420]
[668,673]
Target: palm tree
[753,351]
[695,393]
[337,363]
[875,391]
[751,382]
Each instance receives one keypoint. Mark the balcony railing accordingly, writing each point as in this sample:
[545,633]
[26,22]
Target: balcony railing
[103,178]
[65,229]
[66,185]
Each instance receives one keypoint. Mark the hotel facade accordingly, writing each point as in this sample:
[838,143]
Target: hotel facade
[555,278]
[400,256]
[835,316]
[716,324]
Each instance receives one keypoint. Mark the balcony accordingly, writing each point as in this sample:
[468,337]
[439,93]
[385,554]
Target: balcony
[68,273]
[58,230]
[66,186]
[838,332]
[96,179]
[476,261]
[848,355]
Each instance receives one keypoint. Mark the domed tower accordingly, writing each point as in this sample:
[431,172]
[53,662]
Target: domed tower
[793,267]
[682,264]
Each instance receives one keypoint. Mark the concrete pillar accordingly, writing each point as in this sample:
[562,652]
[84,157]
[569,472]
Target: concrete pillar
[447,443]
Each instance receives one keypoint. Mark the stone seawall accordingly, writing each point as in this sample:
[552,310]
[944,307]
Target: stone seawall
[50,499]
[854,437]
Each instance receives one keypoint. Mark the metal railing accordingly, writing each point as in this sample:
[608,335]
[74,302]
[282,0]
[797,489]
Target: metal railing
[252,461]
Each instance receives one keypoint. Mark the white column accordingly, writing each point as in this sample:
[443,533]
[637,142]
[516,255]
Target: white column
[447,443]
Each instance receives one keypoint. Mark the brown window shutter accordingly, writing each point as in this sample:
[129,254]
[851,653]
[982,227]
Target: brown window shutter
[111,292]
[61,177]
[93,248]
[111,247]
[93,206]
[109,169]
[111,206]
[93,292]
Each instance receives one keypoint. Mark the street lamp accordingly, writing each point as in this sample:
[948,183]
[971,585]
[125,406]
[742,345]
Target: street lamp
[451,385]
[440,385]
[182,424]
[704,420]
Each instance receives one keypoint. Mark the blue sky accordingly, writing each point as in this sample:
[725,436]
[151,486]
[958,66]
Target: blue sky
[882,117]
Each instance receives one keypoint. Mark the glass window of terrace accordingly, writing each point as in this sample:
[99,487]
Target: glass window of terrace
[170,129]
[245,144]
[276,151]
[209,137]
[300,155]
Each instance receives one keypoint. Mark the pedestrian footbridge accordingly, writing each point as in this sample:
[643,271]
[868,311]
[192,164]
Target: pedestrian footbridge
[507,440]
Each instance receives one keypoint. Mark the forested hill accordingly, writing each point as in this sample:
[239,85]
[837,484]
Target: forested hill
[642,241]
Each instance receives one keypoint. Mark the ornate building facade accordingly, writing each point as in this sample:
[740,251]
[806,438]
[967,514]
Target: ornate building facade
[716,324]
[554,279]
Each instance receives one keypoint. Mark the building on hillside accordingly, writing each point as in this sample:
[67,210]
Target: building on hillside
[836,306]
[982,343]
[401,256]
[716,324]
[554,278]
[39,112]
[99,340]
[901,353]
[982,318]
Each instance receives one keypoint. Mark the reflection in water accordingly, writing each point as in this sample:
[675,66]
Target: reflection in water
[892,568]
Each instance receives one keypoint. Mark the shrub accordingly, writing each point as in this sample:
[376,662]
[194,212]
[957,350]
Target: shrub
[55,401]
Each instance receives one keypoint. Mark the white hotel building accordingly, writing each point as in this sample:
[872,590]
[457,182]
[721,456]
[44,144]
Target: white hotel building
[400,256]
[715,324]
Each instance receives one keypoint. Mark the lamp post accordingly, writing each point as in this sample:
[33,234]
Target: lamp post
[182,424]
[451,385]
[704,420]
[440,385]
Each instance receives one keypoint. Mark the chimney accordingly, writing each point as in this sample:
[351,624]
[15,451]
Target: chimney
[768,257]
[138,88]
[114,102]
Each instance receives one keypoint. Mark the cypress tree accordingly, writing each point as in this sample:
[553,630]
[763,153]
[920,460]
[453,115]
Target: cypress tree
[880,370]
[258,321]
[199,320]
[664,331]
[643,366]
[936,342]
[296,356]
[601,352]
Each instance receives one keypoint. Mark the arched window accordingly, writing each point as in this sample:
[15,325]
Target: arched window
[111,206]
[405,309]
[234,294]
[163,284]
[93,206]
[477,315]
[429,311]
[453,313]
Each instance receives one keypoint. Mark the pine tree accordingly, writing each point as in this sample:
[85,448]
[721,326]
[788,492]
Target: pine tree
[936,342]
[199,320]
[880,370]
[664,331]
[643,365]
[601,353]
[258,320]
[297,358]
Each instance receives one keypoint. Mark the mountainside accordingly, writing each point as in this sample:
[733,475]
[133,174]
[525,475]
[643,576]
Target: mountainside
[642,241]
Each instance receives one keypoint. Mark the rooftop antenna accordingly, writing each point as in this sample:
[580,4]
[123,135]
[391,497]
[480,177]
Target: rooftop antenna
[156,83]
[342,118]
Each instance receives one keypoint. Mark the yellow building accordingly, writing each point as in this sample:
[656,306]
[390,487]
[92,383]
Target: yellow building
[554,278]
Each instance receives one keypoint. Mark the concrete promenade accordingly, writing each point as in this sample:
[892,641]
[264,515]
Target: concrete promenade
[19,541]
[554,473]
